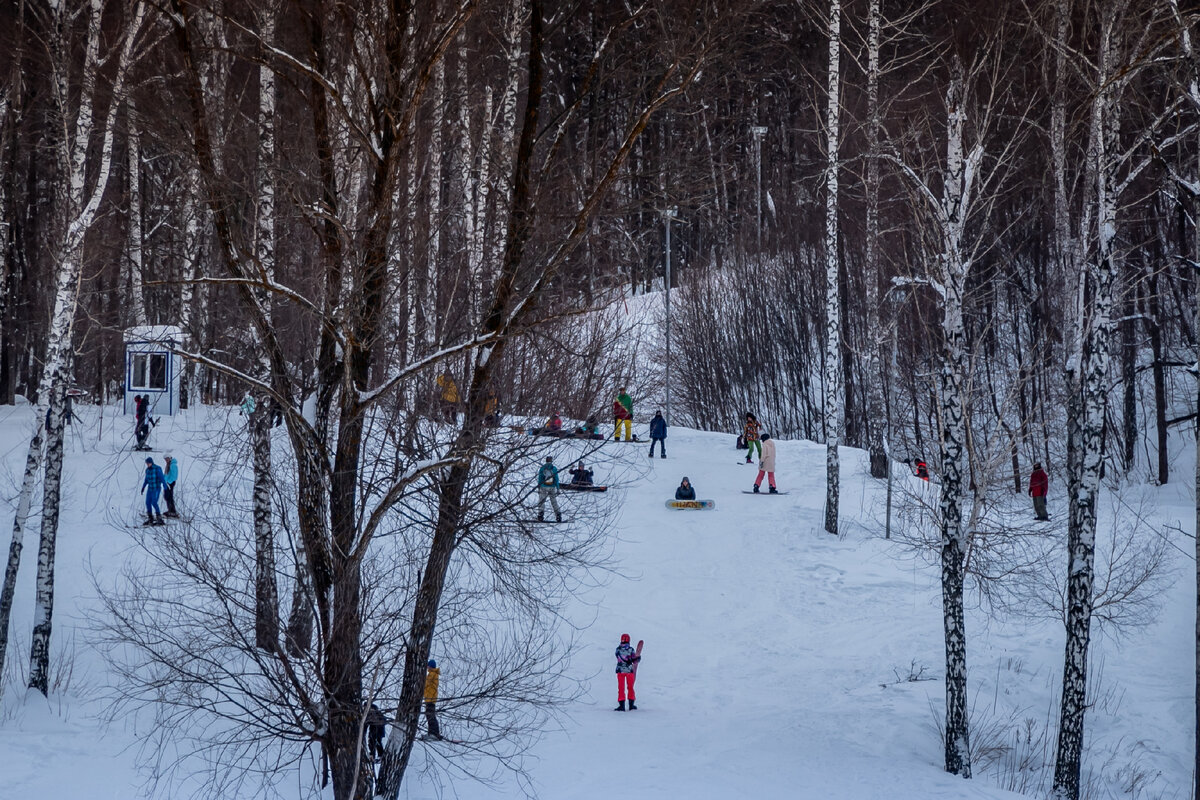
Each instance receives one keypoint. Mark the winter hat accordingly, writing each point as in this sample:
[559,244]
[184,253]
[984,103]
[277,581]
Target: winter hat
[549,459]
[149,460]
[624,638]
[766,436]
[432,664]
[1037,465]
[168,457]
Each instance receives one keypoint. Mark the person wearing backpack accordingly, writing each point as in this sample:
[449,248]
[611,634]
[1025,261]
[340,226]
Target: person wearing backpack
[547,486]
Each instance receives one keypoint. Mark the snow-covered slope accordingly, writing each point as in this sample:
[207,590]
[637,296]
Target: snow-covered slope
[775,662]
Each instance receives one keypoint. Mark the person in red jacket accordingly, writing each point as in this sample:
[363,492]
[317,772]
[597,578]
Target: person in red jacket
[1039,482]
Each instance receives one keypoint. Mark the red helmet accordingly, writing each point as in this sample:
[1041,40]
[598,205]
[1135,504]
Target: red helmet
[624,638]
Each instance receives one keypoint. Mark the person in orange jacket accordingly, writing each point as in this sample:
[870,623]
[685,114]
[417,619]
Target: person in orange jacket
[431,695]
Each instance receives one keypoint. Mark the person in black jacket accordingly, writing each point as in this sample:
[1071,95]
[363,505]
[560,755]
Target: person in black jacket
[658,433]
[685,491]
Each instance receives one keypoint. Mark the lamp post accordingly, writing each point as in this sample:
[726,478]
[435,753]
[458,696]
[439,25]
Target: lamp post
[759,131]
[668,215]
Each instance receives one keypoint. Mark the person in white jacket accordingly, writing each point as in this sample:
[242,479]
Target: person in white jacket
[766,464]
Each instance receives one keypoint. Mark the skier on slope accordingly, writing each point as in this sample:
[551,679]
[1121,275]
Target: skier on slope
[766,464]
[151,486]
[623,413]
[627,661]
[658,433]
[750,435]
[685,490]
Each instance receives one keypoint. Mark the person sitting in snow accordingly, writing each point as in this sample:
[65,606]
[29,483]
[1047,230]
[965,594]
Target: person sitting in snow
[685,491]
[627,660]
[590,427]
[581,475]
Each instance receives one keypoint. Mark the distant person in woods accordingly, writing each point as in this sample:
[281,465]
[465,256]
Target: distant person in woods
[623,413]
[766,464]
[152,484]
[658,434]
[376,728]
[921,469]
[581,475]
[685,490]
[141,416]
[627,661]
[449,398]
[750,435]
[547,486]
[170,476]
[491,408]
[432,678]
[1039,483]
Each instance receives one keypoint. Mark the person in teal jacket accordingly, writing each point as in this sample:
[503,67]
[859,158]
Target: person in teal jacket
[547,486]
[170,476]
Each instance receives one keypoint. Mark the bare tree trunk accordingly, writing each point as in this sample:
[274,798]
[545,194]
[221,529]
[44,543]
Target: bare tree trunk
[1090,404]
[877,445]
[33,464]
[82,203]
[133,156]
[833,322]
[266,593]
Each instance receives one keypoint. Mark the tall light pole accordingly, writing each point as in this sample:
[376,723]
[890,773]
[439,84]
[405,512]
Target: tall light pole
[668,215]
[759,131]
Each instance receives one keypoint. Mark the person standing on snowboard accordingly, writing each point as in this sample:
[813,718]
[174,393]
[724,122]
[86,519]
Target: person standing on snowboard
[627,659]
[151,486]
[766,464]
[623,412]
[547,486]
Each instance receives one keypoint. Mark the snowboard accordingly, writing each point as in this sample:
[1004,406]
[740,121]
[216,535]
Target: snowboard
[697,504]
[634,440]
[638,653]
[575,487]
[765,493]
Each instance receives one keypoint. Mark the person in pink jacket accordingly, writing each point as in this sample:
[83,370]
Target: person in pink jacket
[766,464]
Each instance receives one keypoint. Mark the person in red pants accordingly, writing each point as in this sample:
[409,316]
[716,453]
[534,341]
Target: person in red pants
[626,661]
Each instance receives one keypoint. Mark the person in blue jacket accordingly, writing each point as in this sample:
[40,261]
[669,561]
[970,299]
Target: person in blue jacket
[170,477]
[658,433]
[685,491]
[547,486]
[151,486]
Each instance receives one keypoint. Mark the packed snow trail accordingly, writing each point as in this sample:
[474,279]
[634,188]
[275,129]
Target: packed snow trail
[775,654]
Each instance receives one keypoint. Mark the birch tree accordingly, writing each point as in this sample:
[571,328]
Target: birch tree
[80,199]
[833,322]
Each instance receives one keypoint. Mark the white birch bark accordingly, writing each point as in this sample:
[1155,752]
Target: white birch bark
[433,252]
[133,157]
[876,416]
[81,202]
[1088,402]
[833,321]
[266,593]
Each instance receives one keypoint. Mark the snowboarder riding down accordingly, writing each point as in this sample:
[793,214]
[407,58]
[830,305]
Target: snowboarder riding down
[547,486]
[627,661]
[151,486]
[658,433]
[581,475]
[766,464]
[685,490]
[750,434]
[623,412]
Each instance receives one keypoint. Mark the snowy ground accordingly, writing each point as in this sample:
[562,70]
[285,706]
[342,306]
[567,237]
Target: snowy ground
[774,662]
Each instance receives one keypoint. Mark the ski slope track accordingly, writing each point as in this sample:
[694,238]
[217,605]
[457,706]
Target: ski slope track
[775,659]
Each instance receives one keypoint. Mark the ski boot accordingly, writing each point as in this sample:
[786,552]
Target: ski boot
[149,521]
[747,459]
[558,517]
[159,520]
[620,707]
[774,490]
[632,707]
[756,488]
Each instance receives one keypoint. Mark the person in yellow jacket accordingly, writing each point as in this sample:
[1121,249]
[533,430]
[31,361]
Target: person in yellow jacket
[449,398]
[431,696]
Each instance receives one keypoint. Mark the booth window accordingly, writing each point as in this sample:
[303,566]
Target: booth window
[149,371]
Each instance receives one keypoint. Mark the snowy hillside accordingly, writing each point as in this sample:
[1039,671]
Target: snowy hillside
[777,657]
